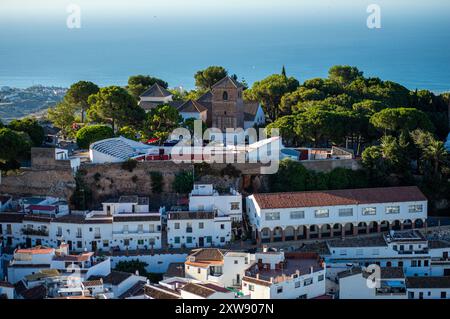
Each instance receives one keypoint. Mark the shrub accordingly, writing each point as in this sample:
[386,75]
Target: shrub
[157,182]
[183,182]
[231,171]
[90,134]
[129,165]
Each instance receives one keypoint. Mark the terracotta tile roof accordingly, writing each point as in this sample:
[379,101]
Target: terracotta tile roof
[199,290]
[136,290]
[175,270]
[156,91]
[90,283]
[37,250]
[116,277]
[392,273]
[257,281]
[207,254]
[339,197]
[192,107]
[42,207]
[38,292]
[160,292]
[227,81]
[74,258]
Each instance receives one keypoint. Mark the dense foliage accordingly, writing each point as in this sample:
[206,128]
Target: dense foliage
[90,134]
[183,182]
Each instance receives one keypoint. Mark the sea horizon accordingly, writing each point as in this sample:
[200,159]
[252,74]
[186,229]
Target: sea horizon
[252,39]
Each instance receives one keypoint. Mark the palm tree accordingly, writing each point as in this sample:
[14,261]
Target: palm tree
[436,153]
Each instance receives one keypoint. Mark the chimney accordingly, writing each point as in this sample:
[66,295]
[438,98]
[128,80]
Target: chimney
[265,249]
[257,276]
[312,269]
[137,272]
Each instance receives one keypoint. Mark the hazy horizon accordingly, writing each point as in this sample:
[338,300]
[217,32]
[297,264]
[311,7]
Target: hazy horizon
[253,39]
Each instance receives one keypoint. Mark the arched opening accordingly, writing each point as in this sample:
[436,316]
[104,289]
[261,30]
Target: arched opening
[277,234]
[265,235]
[408,224]
[384,225]
[337,230]
[362,228]
[225,96]
[418,223]
[396,225]
[348,228]
[389,264]
[289,233]
[373,227]
[313,231]
[325,230]
[301,232]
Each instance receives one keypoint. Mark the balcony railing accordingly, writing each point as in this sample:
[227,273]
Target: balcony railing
[34,232]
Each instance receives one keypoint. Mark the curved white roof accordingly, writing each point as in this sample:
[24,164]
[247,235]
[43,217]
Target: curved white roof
[120,147]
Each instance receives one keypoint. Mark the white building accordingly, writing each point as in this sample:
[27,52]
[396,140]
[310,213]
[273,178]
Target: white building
[154,96]
[33,260]
[428,287]
[357,283]
[225,268]
[205,198]
[197,229]
[276,276]
[409,250]
[317,214]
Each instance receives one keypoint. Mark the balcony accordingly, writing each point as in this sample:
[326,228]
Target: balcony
[97,236]
[34,232]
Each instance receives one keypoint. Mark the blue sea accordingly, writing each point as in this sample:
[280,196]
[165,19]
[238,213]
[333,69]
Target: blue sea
[172,39]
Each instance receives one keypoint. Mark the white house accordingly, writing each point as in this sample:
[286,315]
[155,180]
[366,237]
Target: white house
[357,283]
[407,250]
[276,276]
[205,198]
[428,287]
[225,268]
[317,214]
[197,229]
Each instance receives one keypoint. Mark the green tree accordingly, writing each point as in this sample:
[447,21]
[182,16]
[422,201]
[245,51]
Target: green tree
[114,105]
[286,127]
[129,132]
[93,133]
[302,94]
[31,127]
[270,91]
[14,145]
[205,79]
[291,176]
[131,266]
[161,121]
[183,182]
[401,119]
[78,95]
[436,154]
[344,74]
[137,84]
[63,117]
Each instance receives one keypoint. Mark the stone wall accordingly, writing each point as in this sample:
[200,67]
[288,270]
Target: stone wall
[44,158]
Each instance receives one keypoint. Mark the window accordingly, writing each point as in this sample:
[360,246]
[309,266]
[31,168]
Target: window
[345,212]
[140,242]
[322,213]
[140,228]
[152,241]
[236,262]
[126,242]
[105,243]
[413,263]
[307,282]
[177,225]
[251,287]
[369,211]
[79,234]
[222,239]
[59,232]
[235,206]
[392,210]
[177,240]
[343,252]
[199,270]
[321,278]
[265,232]
[189,239]
[209,239]
[279,290]
[298,214]
[151,228]
[79,244]
[222,226]
[273,216]
[225,96]
[415,208]
[425,263]
[443,295]
[201,225]
[297,284]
